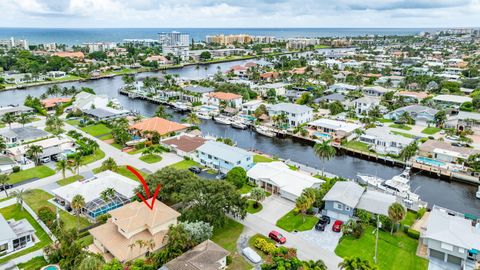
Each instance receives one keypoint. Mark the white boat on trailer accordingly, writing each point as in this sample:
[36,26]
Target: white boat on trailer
[239,125]
[222,120]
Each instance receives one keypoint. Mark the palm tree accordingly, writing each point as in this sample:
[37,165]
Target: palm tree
[107,194]
[3,145]
[161,112]
[24,118]
[109,164]
[77,163]
[9,118]
[396,212]
[324,151]
[20,196]
[193,119]
[150,245]
[3,181]
[91,262]
[34,151]
[78,203]
[257,194]
[318,265]
[62,166]
[302,203]
[356,263]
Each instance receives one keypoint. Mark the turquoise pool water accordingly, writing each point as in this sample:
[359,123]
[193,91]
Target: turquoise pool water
[51,267]
[431,162]
[321,135]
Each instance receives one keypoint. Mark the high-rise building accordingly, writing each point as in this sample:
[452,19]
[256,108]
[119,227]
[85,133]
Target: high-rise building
[229,39]
[100,46]
[175,43]
[14,43]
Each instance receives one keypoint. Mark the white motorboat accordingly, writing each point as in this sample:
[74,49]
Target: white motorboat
[222,120]
[265,131]
[478,193]
[203,115]
[239,125]
[180,106]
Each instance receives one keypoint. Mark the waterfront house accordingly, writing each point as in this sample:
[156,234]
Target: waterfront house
[384,142]
[277,178]
[375,91]
[56,74]
[444,151]
[217,98]
[160,59]
[15,110]
[269,76]
[184,145]
[376,202]
[464,121]
[341,200]
[296,114]
[156,124]
[339,129]
[239,71]
[52,103]
[15,235]
[205,256]
[106,113]
[451,239]
[364,104]
[451,101]
[18,78]
[20,135]
[86,101]
[195,93]
[91,190]
[422,115]
[130,224]
[222,157]
[249,107]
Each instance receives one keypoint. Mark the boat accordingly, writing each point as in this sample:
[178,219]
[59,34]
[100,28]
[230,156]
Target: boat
[265,131]
[222,120]
[203,115]
[239,125]
[478,193]
[180,106]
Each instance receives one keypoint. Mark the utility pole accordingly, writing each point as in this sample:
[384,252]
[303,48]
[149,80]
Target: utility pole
[376,241]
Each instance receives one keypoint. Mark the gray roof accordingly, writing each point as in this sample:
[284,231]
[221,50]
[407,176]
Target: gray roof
[14,109]
[205,256]
[290,108]
[47,152]
[223,151]
[24,133]
[198,89]
[376,202]
[346,192]
[6,232]
[104,112]
[368,100]
[4,160]
[334,96]
[416,109]
[467,115]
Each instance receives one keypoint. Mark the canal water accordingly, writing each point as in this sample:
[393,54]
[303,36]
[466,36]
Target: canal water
[453,195]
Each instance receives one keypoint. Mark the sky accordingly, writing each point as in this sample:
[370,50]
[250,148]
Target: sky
[239,13]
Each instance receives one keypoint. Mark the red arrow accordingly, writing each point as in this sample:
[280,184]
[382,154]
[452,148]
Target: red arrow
[145,187]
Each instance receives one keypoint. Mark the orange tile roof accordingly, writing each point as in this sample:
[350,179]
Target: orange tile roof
[160,125]
[224,96]
[298,70]
[268,75]
[69,54]
[51,102]
[418,95]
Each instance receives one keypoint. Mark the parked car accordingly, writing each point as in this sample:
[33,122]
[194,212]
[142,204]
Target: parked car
[322,223]
[5,187]
[195,169]
[277,237]
[337,226]
[251,255]
[379,124]
[220,176]
[453,137]
[45,160]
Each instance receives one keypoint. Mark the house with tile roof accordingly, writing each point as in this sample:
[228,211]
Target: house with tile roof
[216,98]
[157,124]
[205,256]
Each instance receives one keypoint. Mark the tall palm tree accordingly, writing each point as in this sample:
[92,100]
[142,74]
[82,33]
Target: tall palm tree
[77,163]
[9,118]
[91,262]
[109,164]
[3,181]
[62,166]
[150,245]
[193,119]
[161,112]
[324,151]
[24,118]
[302,203]
[107,194]
[34,151]
[78,203]
[3,145]
[396,212]
[20,196]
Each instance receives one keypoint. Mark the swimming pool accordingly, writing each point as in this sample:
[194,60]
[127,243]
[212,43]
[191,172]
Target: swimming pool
[431,162]
[323,136]
[51,267]
[104,209]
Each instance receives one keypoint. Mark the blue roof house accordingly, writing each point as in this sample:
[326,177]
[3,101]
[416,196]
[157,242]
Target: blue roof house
[222,157]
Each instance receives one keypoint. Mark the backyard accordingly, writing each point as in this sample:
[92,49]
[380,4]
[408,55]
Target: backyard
[97,130]
[151,158]
[261,158]
[36,172]
[430,130]
[15,212]
[227,237]
[293,221]
[396,251]
[356,145]
[184,164]
[99,154]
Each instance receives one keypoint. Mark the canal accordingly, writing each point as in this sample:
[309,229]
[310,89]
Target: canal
[453,195]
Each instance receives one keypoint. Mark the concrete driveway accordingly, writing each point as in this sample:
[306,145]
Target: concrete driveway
[436,264]
[327,239]
[274,208]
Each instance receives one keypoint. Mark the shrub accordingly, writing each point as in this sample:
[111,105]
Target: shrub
[103,218]
[420,213]
[16,169]
[139,146]
[406,228]
[47,216]
[229,260]
[265,246]
[413,234]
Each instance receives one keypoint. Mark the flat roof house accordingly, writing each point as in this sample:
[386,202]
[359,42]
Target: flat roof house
[365,104]
[205,256]
[342,199]
[194,93]
[444,151]
[421,114]
[451,101]
[129,224]
[20,135]
[277,178]
[296,114]
[86,101]
[52,146]
[375,91]
[384,142]
[340,129]
[159,125]
[91,190]
[15,235]
[451,238]
[15,110]
[106,114]
[223,157]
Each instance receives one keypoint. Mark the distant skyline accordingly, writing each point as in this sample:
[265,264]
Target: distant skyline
[239,14]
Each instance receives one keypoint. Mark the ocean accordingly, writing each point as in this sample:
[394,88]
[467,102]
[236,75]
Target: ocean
[75,36]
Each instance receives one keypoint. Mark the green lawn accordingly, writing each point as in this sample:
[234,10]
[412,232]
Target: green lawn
[251,209]
[36,172]
[37,199]
[97,130]
[291,222]
[122,170]
[384,120]
[430,130]
[406,135]
[184,164]
[356,145]
[106,137]
[99,154]
[73,122]
[245,189]
[69,180]
[34,264]
[394,251]
[227,237]
[400,126]
[136,151]
[151,158]
[409,219]
[15,212]
[260,158]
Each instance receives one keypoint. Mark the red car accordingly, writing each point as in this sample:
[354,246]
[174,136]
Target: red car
[277,237]
[337,226]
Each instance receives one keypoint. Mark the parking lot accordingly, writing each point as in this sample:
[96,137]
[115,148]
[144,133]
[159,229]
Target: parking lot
[327,239]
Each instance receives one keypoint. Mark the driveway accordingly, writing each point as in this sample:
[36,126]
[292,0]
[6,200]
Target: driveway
[436,264]
[327,239]
[274,208]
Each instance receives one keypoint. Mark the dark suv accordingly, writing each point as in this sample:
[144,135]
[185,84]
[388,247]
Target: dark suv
[195,169]
[322,223]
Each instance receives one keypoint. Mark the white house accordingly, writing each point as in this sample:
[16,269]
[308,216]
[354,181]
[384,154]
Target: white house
[365,104]
[375,91]
[15,235]
[86,101]
[451,101]
[383,142]
[296,114]
[216,98]
[277,178]
[339,129]
[222,157]
[262,89]
[249,107]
